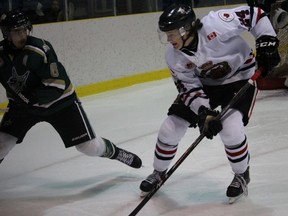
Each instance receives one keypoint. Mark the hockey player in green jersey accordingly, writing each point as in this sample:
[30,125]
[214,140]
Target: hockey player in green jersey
[39,90]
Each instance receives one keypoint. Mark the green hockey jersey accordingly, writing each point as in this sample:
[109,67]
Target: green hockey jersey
[34,78]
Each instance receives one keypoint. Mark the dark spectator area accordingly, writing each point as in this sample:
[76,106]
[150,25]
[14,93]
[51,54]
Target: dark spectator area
[46,11]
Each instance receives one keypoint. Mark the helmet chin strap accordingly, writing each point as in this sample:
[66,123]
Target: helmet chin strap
[192,46]
[185,40]
[193,33]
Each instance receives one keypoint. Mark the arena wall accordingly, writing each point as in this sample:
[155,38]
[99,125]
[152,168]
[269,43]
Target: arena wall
[107,53]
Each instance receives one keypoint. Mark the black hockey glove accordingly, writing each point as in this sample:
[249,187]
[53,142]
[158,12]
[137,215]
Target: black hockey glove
[207,123]
[267,55]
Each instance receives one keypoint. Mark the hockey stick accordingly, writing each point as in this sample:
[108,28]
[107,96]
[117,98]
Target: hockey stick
[235,99]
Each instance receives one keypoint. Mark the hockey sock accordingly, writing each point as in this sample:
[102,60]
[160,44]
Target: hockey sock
[111,150]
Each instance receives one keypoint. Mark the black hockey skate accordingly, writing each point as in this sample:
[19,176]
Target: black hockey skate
[151,182]
[126,157]
[238,186]
[1,160]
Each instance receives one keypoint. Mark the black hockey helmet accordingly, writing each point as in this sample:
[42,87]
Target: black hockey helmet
[13,20]
[176,16]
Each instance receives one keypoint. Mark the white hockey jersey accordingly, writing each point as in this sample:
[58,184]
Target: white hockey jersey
[222,55]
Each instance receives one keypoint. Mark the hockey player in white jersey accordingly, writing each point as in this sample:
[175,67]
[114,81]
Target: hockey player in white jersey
[209,62]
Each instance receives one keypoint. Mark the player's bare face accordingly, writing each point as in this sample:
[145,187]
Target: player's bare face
[18,37]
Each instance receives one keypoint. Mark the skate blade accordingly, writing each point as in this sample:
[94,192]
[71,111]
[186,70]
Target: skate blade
[232,200]
[143,194]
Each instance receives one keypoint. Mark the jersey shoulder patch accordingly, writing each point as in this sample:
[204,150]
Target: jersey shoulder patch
[226,16]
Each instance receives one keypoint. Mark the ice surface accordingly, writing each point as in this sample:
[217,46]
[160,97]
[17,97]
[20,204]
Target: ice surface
[41,178]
